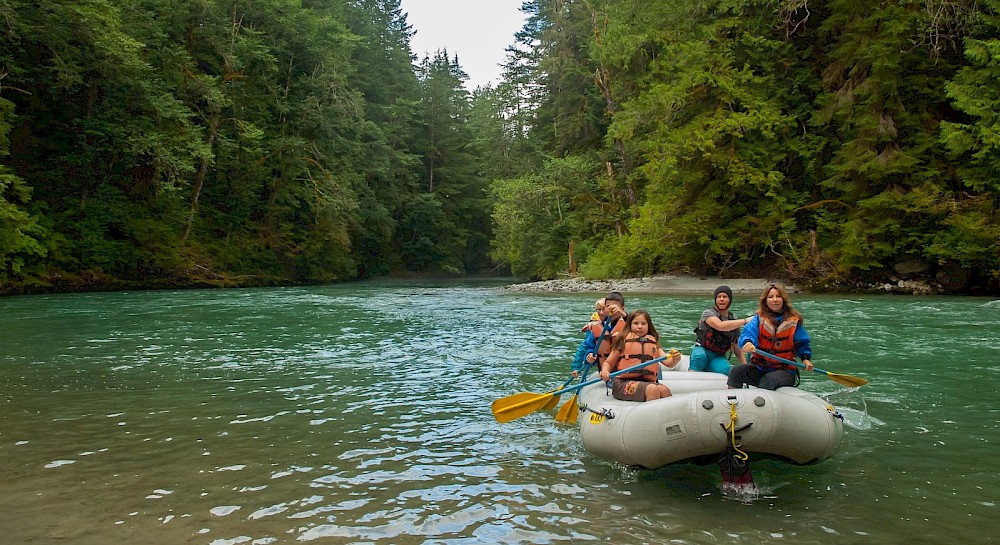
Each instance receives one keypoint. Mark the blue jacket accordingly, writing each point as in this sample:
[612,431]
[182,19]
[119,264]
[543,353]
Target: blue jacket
[586,346]
[751,332]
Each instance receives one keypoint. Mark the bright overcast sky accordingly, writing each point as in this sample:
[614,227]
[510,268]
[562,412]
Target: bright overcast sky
[478,31]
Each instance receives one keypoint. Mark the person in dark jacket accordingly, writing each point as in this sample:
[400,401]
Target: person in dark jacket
[717,331]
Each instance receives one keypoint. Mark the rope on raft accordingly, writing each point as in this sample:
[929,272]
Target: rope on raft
[731,428]
[733,463]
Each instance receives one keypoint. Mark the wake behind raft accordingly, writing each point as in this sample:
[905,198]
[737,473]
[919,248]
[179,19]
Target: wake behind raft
[703,420]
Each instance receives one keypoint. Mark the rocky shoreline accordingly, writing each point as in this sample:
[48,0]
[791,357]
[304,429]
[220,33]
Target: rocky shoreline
[665,284]
[685,284]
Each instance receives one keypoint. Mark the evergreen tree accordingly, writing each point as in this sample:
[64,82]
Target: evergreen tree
[451,212]
[536,219]
[569,114]
[19,229]
[705,125]
[386,79]
[880,107]
[968,232]
[97,132]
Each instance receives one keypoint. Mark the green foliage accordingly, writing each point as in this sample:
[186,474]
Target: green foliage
[537,216]
[391,150]
[20,231]
[452,191]
[208,142]
[969,232]
[828,140]
[424,221]
[113,236]
[710,132]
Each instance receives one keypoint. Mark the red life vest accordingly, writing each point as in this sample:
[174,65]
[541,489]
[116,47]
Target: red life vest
[779,341]
[605,347]
[636,350]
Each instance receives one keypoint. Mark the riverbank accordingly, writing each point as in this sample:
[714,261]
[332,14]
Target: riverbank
[688,284]
[659,284]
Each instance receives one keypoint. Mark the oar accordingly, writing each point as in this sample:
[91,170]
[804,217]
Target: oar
[571,409]
[525,396]
[515,406]
[555,399]
[846,380]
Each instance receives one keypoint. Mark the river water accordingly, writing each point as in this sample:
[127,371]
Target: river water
[361,413]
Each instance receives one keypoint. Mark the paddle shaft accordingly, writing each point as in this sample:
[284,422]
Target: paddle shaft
[554,399]
[567,412]
[789,362]
[586,364]
[613,375]
[539,397]
[597,346]
[505,413]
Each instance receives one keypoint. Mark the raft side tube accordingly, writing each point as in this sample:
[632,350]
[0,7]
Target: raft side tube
[788,423]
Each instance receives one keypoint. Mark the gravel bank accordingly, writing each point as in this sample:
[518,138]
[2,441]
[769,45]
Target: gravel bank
[668,284]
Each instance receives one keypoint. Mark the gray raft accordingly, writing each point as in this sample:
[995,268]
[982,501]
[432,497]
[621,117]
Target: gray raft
[694,422]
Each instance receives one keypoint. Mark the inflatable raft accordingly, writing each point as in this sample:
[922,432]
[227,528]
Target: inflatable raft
[702,418]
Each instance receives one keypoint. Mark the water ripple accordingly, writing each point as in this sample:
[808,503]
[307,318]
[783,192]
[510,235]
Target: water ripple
[361,414]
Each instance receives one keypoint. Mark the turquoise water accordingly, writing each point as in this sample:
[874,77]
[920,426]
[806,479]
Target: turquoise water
[361,414]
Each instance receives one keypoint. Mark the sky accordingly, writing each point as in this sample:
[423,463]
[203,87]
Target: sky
[479,31]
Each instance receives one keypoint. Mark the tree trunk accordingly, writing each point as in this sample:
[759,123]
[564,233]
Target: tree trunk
[572,261]
[213,130]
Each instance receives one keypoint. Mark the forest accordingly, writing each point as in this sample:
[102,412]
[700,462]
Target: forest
[214,143]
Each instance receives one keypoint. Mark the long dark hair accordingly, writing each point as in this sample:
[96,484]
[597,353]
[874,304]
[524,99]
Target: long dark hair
[787,310]
[620,341]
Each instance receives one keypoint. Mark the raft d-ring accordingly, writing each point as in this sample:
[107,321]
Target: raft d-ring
[596,417]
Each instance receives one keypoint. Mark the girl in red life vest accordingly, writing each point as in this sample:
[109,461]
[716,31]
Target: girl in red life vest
[776,329]
[640,343]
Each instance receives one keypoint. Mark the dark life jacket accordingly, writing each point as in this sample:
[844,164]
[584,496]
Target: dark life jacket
[714,340]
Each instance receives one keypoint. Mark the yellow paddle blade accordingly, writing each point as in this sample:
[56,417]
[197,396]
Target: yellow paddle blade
[847,380]
[518,405]
[569,412]
[514,399]
[525,396]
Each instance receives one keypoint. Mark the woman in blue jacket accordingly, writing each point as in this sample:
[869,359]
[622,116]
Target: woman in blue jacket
[777,329]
